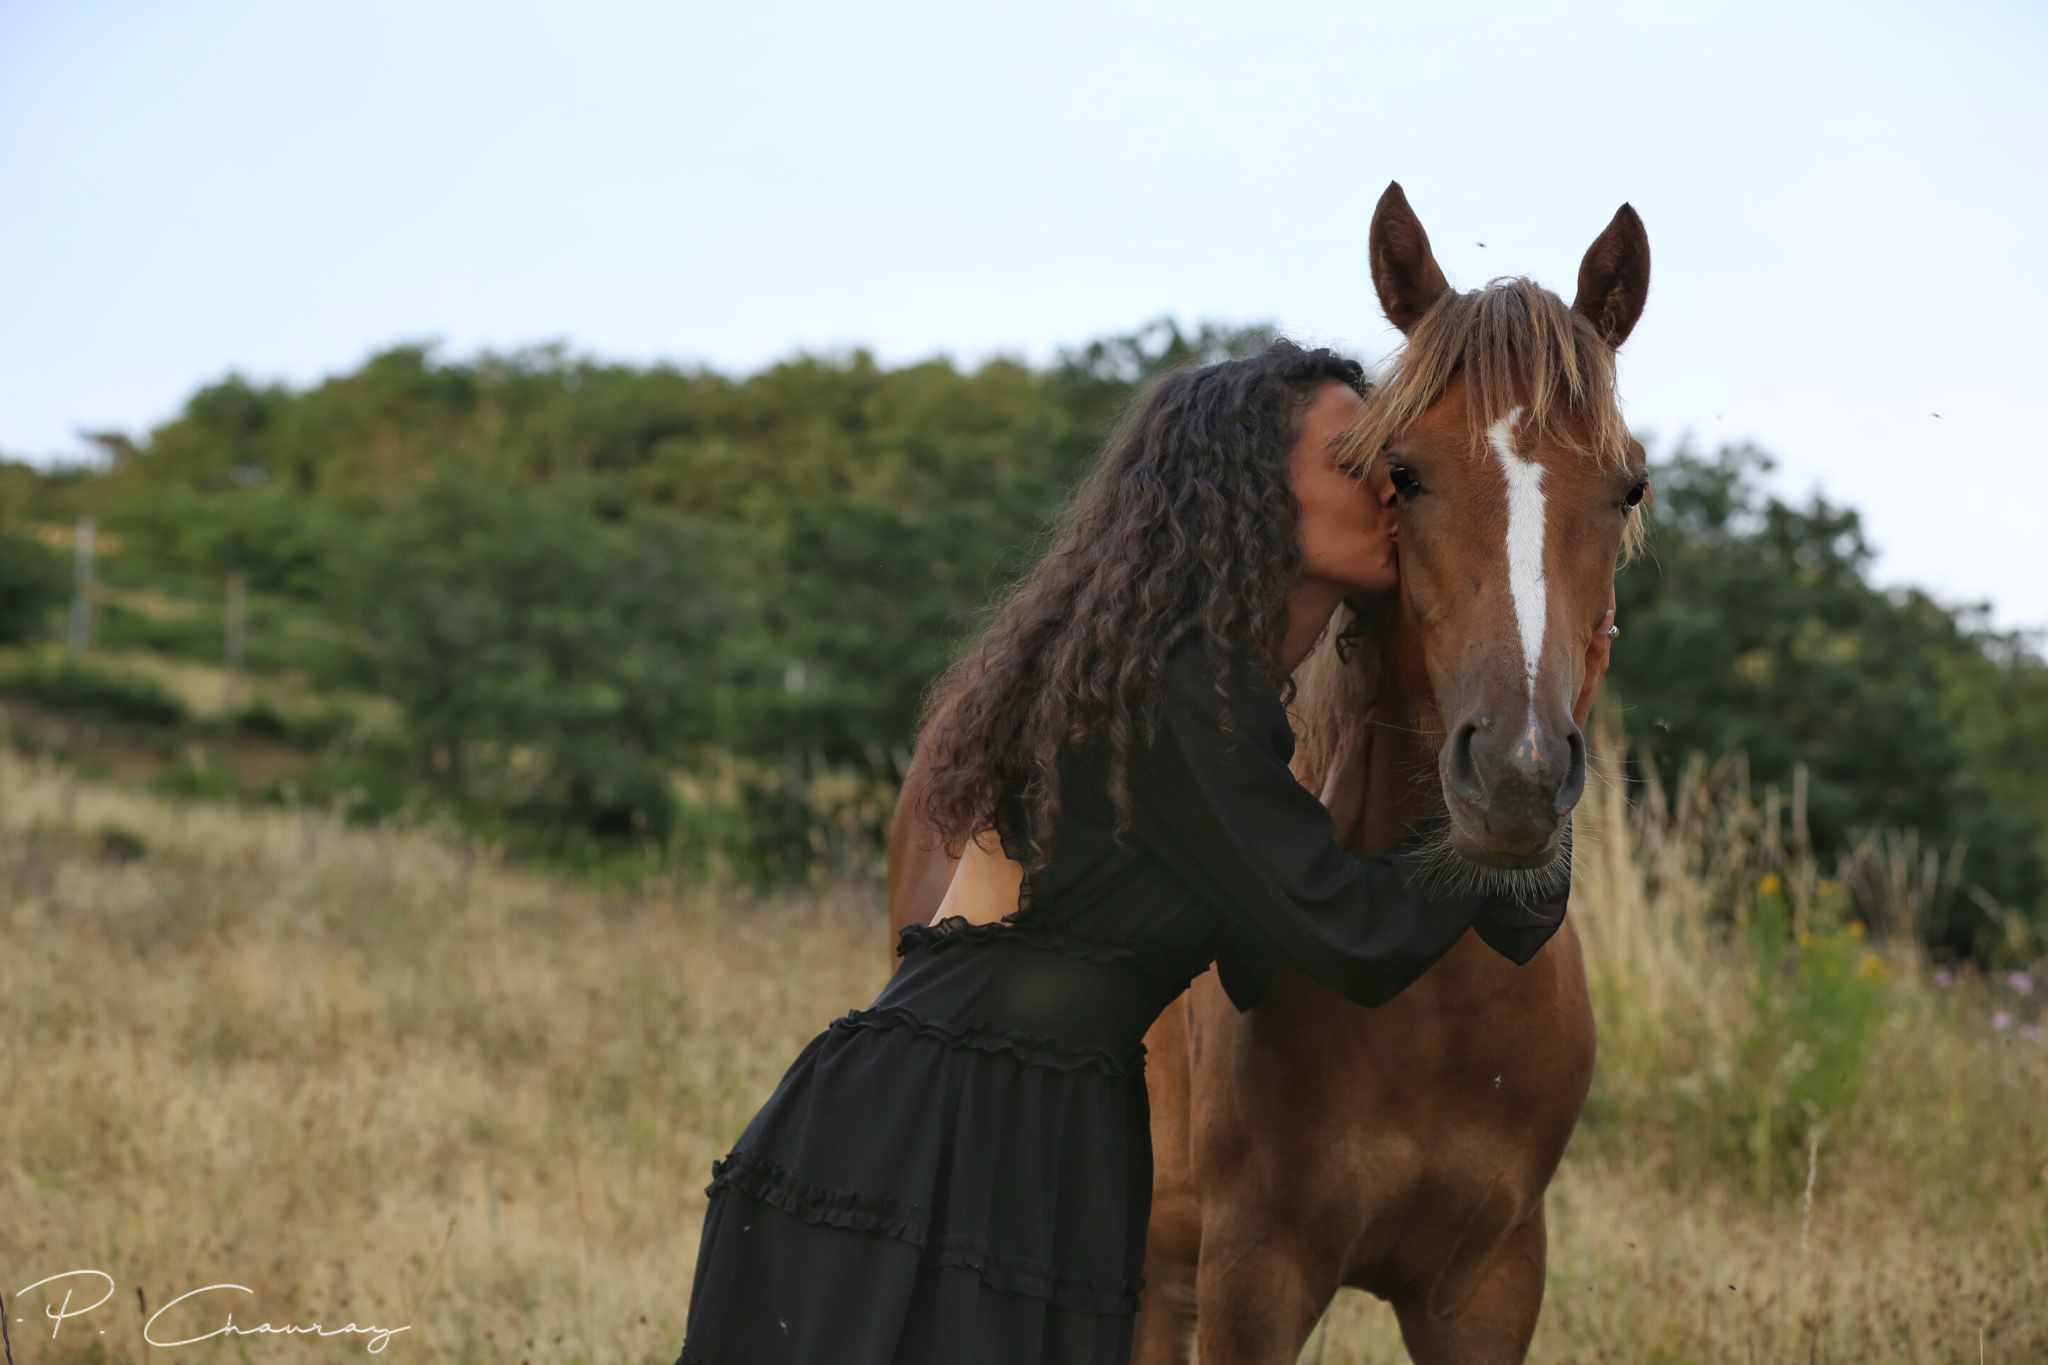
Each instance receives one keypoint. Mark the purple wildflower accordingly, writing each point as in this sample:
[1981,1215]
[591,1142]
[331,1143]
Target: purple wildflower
[2031,1032]
[2001,1020]
[2022,982]
[1944,977]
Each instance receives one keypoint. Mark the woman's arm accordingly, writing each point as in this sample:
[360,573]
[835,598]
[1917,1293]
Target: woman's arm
[1221,806]
[986,883]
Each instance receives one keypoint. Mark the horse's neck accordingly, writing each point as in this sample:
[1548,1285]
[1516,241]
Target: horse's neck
[1401,774]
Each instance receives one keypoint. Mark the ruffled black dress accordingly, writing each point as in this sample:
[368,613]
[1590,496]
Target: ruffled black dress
[961,1173]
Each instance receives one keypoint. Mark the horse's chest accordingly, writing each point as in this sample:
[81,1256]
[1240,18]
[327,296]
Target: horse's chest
[1416,1134]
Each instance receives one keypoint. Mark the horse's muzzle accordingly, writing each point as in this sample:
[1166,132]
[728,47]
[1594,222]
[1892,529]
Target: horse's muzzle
[1511,791]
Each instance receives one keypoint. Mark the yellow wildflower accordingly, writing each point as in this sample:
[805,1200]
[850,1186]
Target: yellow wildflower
[1873,969]
[1769,885]
[1805,938]
[1856,929]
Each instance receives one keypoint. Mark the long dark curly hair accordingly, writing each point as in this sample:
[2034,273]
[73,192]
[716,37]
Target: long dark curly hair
[1187,523]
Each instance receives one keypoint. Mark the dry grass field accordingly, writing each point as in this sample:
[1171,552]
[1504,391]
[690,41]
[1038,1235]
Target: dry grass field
[374,1078]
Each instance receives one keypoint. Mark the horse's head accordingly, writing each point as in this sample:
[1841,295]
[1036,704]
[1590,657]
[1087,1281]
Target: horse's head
[1518,481]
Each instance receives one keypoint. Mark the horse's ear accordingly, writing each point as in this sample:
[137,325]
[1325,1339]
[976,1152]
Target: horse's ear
[1405,274]
[1614,279]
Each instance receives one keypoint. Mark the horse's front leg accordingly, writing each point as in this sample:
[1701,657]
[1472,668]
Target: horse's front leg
[1262,1291]
[1494,1323]
[1173,1241]
[1166,1313]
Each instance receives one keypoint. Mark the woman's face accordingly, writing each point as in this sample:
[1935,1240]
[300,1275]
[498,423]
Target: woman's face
[1347,523]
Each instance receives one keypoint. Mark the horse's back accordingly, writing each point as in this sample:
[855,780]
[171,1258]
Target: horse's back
[919,869]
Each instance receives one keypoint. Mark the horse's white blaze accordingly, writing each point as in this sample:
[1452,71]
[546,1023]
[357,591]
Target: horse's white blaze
[1526,586]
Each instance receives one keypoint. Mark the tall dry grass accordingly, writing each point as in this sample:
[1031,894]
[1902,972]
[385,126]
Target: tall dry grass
[372,1077]
[380,1078]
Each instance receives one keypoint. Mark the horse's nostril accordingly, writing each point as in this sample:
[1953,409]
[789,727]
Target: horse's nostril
[1464,768]
[1574,785]
[1517,782]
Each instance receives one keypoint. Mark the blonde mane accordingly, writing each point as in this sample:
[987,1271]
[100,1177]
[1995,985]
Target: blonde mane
[1336,685]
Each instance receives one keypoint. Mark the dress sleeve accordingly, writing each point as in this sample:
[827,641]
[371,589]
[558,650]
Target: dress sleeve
[1221,807]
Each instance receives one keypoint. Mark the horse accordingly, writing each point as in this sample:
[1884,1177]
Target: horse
[1312,1143]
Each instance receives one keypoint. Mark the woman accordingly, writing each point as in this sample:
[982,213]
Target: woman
[961,1173]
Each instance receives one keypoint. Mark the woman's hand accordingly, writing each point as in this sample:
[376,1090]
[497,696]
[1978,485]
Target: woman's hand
[1598,654]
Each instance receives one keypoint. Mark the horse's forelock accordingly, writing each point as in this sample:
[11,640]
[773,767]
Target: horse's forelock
[1517,345]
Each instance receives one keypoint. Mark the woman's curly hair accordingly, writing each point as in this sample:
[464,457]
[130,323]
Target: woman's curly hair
[1187,523]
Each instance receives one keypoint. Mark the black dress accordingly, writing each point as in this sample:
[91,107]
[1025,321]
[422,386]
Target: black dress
[961,1173]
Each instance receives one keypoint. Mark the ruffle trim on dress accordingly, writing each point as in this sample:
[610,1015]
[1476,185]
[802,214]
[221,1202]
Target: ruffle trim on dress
[992,1036]
[1015,1275]
[955,930]
[820,1204]
[904,1221]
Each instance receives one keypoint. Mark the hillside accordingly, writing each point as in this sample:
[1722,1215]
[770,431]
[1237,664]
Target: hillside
[617,615]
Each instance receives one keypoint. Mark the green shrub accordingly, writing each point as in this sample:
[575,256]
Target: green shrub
[1816,1001]
[552,658]
[260,720]
[196,637]
[82,689]
[120,844]
[364,787]
[34,580]
[196,778]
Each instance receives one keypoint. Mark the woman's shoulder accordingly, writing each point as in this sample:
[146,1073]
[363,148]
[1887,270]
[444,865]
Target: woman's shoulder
[1208,685]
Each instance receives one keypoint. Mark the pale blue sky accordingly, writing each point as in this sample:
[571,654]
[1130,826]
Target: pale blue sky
[1846,203]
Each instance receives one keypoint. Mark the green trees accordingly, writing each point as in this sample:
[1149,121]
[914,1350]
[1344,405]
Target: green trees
[1753,627]
[609,599]
[553,654]
[34,579]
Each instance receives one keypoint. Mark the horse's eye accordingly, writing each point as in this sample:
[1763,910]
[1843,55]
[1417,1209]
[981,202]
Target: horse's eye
[1404,480]
[1635,495]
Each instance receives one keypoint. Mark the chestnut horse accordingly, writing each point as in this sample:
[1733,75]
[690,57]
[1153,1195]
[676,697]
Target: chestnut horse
[1312,1143]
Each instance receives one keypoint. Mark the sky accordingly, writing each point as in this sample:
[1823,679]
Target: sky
[1845,203]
